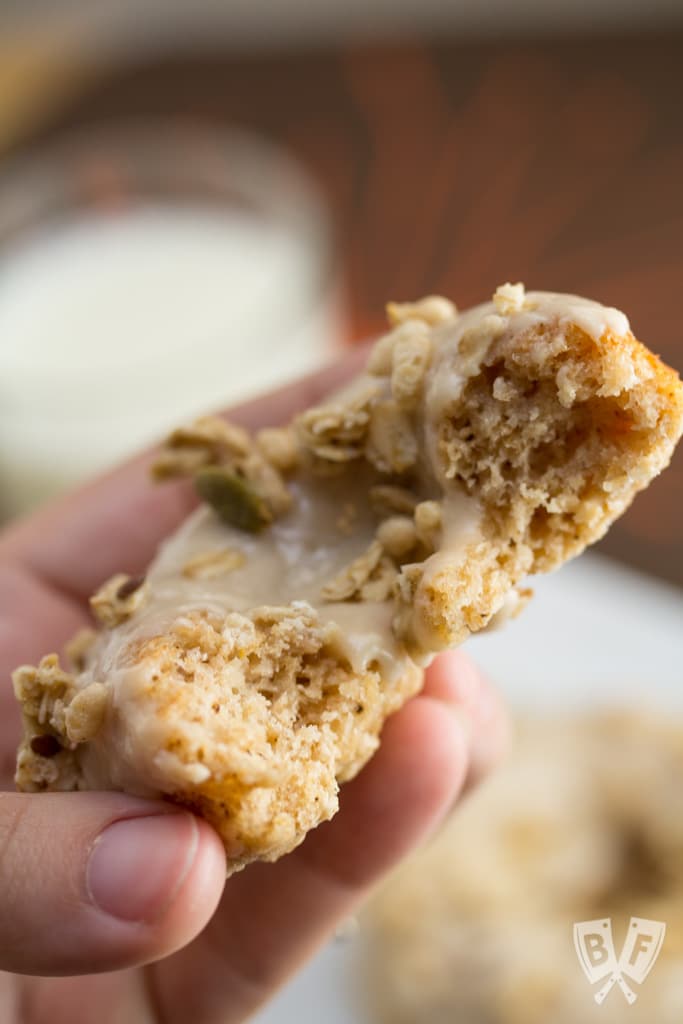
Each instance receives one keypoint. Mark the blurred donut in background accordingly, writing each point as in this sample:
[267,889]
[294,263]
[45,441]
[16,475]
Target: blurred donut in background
[583,823]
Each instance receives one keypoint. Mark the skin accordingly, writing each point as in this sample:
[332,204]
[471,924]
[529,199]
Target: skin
[210,951]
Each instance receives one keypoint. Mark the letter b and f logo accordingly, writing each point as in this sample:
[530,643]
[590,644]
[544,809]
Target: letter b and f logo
[595,949]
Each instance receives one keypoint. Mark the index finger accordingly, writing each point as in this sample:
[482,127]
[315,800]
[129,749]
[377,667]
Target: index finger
[116,523]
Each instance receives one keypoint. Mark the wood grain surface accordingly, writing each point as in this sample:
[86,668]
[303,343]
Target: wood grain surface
[451,167]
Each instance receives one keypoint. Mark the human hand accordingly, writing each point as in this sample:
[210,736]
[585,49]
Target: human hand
[123,902]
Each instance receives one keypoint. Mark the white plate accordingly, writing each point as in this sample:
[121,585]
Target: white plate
[595,634]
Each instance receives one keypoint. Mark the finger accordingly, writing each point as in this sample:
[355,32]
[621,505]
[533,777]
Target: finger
[457,681]
[115,523]
[99,881]
[285,910]
[33,618]
[114,997]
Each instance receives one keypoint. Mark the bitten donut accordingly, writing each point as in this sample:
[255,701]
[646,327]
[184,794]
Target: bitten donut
[250,673]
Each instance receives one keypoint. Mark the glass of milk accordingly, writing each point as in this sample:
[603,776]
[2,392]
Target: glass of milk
[149,273]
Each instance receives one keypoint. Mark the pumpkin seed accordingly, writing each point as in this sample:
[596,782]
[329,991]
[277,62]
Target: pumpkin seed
[232,498]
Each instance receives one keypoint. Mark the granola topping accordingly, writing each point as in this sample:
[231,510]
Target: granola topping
[509,298]
[349,582]
[381,357]
[128,588]
[78,647]
[406,585]
[410,358]
[279,447]
[432,310]
[206,442]
[57,717]
[476,340]
[428,523]
[380,584]
[218,562]
[238,476]
[391,445]
[336,431]
[398,536]
[44,691]
[119,598]
[86,712]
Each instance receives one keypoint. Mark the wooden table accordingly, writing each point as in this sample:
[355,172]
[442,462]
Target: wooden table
[451,168]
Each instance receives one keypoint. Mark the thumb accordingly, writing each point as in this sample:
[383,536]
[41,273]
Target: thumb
[100,881]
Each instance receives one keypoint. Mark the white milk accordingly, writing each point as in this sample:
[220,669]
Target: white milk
[113,328]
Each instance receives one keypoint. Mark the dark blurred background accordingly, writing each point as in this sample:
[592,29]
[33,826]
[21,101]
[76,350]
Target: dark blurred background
[456,145]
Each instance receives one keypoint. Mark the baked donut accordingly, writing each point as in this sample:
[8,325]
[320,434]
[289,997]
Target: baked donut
[584,822]
[250,673]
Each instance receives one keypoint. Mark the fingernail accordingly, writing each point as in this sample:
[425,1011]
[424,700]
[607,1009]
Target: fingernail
[138,865]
